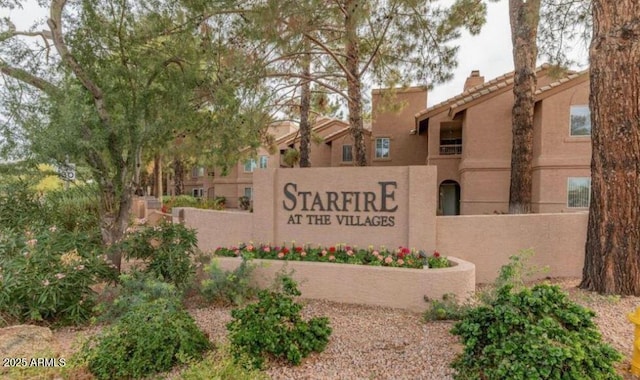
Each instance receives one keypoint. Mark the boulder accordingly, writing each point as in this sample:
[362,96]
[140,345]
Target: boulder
[25,341]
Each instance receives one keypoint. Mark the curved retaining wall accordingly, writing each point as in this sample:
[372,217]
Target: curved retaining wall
[369,285]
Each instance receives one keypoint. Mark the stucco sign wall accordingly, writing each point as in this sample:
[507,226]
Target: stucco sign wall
[388,206]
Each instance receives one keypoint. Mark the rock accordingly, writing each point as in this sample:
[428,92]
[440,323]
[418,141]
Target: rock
[25,341]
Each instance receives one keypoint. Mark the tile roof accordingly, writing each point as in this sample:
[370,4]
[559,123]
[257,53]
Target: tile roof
[500,83]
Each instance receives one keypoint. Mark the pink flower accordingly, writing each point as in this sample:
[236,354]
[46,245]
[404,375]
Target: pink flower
[237,252]
[388,259]
[303,253]
[349,253]
[332,258]
[266,249]
[324,252]
[45,283]
[32,243]
[400,261]
[280,255]
[60,276]
[376,253]
[250,248]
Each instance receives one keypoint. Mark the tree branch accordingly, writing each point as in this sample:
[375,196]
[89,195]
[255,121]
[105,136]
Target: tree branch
[55,24]
[30,79]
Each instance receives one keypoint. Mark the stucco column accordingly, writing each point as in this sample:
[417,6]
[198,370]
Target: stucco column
[423,203]
[264,207]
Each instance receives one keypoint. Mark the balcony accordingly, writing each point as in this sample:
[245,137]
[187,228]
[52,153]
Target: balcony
[450,149]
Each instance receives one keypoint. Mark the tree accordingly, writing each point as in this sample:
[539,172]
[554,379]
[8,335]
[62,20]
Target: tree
[116,78]
[612,254]
[524,17]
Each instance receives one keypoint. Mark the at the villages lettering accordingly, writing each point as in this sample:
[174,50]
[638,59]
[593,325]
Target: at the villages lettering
[344,220]
[343,201]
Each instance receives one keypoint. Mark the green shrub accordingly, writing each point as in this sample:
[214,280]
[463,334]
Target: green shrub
[219,365]
[136,288]
[46,275]
[74,209]
[20,207]
[152,337]
[169,202]
[449,308]
[274,327]
[228,287]
[536,333]
[167,249]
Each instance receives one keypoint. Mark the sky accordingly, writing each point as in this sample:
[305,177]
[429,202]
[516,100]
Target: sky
[489,52]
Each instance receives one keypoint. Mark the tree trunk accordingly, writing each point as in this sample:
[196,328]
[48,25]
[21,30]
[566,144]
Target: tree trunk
[157,176]
[114,219]
[524,17]
[305,108]
[178,176]
[612,252]
[354,81]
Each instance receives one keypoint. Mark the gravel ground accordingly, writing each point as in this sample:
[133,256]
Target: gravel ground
[381,343]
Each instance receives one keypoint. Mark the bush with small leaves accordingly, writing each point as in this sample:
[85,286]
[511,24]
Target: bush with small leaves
[151,337]
[273,327]
[168,250]
[228,287]
[536,333]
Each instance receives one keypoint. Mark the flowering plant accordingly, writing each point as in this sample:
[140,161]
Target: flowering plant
[437,261]
[401,257]
[46,275]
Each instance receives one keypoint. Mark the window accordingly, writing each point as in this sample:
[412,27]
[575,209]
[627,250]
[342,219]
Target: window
[197,172]
[198,193]
[347,153]
[580,121]
[248,192]
[249,166]
[382,147]
[263,162]
[578,192]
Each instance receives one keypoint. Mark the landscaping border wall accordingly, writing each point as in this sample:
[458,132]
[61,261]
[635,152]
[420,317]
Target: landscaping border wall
[366,284]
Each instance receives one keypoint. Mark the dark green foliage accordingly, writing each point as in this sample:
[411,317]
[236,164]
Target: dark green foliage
[152,337]
[47,274]
[20,207]
[274,327]
[168,250]
[537,333]
[74,209]
[228,287]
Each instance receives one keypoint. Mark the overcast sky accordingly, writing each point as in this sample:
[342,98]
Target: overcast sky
[489,52]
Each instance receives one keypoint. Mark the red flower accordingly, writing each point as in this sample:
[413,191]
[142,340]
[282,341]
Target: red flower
[285,250]
[332,249]
[298,249]
[348,248]
[436,254]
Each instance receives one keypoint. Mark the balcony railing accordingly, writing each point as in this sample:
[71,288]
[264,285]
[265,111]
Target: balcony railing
[450,149]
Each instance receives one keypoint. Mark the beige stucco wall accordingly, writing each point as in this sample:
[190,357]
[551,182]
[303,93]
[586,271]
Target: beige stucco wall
[405,148]
[489,240]
[365,284]
[216,228]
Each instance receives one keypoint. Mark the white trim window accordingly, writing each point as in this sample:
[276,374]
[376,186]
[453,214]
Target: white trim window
[263,161]
[248,192]
[198,193]
[250,165]
[382,147]
[578,192]
[347,153]
[580,121]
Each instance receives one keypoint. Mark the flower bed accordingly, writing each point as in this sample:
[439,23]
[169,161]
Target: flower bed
[378,285]
[401,257]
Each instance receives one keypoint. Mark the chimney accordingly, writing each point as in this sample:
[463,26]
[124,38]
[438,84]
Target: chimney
[473,80]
